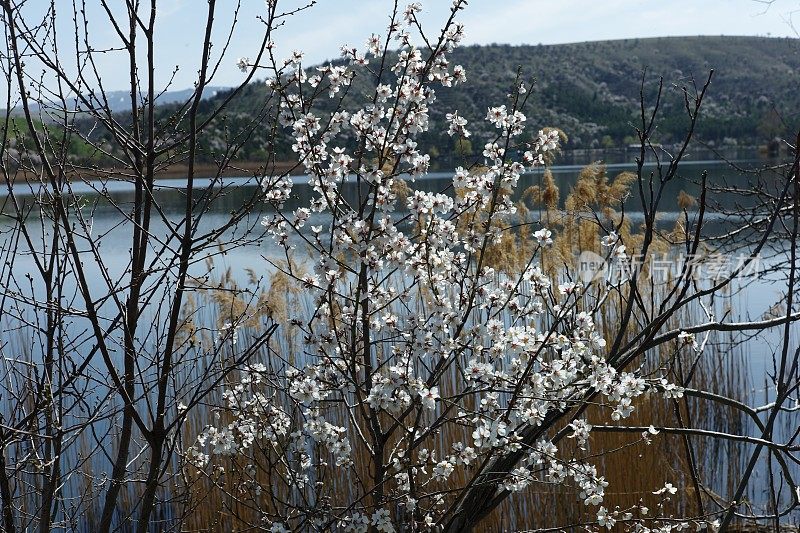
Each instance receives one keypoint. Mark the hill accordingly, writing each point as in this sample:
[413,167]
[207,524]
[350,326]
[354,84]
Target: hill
[119,101]
[591,89]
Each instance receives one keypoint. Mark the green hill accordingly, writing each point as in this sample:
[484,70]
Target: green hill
[591,90]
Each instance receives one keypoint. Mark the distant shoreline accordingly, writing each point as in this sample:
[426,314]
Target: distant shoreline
[209,170]
[201,170]
[569,159]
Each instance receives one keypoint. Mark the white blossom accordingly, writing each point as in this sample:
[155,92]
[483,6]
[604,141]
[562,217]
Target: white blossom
[543,237]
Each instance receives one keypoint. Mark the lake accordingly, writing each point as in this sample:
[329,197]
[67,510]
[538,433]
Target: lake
[105,202]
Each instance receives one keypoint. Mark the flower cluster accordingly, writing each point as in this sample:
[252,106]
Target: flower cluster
[255,419]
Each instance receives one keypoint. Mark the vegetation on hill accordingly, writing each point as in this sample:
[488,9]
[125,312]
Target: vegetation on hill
[589,90]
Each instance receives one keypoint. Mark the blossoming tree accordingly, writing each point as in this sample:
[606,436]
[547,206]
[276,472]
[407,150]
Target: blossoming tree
[433,385]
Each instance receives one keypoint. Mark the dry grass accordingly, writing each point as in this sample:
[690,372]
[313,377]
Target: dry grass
[633,467]
[216,501]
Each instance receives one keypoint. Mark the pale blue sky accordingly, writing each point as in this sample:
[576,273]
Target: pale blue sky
[331,23]
[323,29]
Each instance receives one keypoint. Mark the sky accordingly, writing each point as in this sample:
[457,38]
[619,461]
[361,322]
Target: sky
[321,30]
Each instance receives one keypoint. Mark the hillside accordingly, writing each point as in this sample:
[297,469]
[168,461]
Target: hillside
[590,90]
[120,100]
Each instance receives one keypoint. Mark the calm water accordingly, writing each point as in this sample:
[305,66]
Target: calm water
[107,201]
